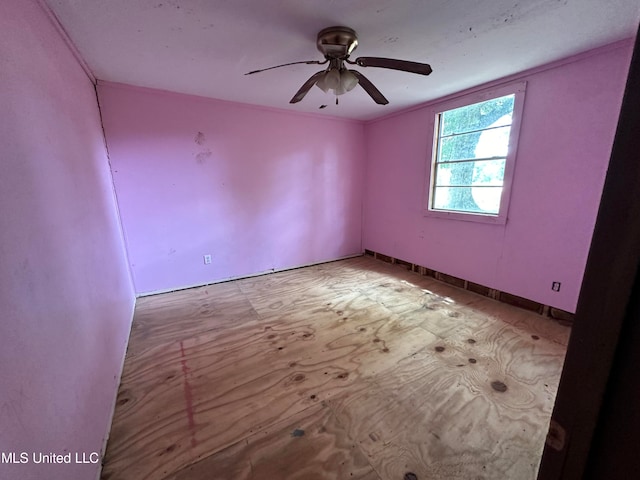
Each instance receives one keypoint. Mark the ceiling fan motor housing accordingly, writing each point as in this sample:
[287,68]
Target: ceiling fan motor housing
[337,42]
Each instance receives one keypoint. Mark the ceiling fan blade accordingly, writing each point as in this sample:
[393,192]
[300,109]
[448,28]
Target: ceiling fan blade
[307,86]
[370,88]
[308,62]
[392,63]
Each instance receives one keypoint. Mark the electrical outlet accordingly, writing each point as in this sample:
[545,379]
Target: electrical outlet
[555,286]
[207,259]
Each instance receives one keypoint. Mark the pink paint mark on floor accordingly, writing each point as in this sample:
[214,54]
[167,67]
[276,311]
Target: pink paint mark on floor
[188,396]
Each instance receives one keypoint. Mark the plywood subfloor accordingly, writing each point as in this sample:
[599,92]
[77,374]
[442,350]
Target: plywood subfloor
[354,369]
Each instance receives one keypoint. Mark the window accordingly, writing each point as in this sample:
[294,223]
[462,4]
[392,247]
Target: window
[474,151]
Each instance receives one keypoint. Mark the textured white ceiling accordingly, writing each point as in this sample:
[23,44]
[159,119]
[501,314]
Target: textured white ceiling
[204,47]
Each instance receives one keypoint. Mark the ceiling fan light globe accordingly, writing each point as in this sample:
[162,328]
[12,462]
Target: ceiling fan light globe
[348,80]
[332,79]
[322,83]
[340,90]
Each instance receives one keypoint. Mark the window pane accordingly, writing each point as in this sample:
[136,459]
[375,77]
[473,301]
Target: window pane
[477,116]
[488,143]
[472,150]
[468,199]
[481,173]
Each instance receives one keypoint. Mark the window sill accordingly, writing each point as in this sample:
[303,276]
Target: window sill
[466,217]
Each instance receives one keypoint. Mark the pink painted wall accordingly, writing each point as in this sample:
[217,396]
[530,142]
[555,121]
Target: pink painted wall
[66,296]
[569,120]
[258,189]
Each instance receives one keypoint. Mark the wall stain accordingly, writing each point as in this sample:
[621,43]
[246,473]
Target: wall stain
[202,157]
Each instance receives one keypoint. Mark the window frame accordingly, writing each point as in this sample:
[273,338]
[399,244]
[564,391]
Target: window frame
[519,90]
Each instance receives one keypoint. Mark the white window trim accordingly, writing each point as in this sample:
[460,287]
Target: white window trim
[519,89]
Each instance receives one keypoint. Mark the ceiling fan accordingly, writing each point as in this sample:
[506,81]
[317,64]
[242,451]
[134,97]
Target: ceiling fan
[336,44]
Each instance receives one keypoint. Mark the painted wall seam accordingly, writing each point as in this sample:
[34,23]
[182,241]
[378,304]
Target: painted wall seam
[249,106]
[114,193]
[67,40]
